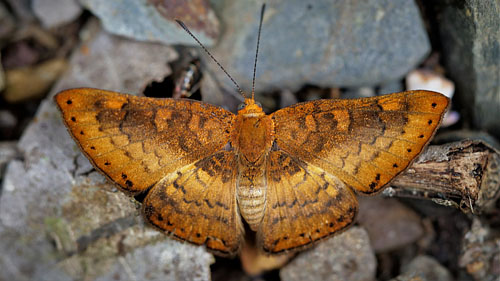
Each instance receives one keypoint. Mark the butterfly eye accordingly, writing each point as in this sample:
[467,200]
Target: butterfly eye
[258,103]
[241,106]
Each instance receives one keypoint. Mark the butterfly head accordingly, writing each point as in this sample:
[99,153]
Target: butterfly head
[250,108]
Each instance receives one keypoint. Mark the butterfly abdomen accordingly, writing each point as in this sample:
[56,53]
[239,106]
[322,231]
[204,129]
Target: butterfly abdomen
[251,194]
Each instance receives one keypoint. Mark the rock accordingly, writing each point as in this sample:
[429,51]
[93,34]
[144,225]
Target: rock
[154,20]
[390,87]
[40,77]
[389,223]
[19,54]
[112,63]
[53,13]
[356,93]
[8,152]
[323,43]
[8,124]
[7,23]
[2,77]
[421,79]
[481,252]
[22,9]
[59,218]
[470,37]
[287,98]
[212,93]
[424,268]
[346,256]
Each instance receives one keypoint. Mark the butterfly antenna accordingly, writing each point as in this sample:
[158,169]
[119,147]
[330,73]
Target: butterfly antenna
[206,51]
[257,51]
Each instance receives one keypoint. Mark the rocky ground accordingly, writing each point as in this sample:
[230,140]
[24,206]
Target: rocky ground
[62,220]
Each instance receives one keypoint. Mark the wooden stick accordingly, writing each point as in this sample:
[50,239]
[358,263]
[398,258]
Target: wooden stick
[464,174]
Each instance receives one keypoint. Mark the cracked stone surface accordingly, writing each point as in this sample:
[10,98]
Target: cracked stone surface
[60,219]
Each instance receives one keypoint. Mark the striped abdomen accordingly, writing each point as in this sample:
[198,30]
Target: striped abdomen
[251,194]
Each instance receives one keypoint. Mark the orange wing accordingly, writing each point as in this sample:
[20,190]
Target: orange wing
[136,141]
[363,142]
[326,148]
[303,204]
[197,203]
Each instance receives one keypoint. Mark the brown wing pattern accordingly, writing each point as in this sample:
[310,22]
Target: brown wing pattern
[303,204]
[136,141]
[363,142]
[197,203]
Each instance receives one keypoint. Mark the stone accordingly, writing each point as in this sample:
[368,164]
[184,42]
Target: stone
[390,87]
[389,224]
[470,40]
[346,256]
[480,255]
[154,20]
[424,268]
[322,43]
[53,13]
[8,152]
[41,77]
[7,25]
[2,77]
[422,79]
[22,9]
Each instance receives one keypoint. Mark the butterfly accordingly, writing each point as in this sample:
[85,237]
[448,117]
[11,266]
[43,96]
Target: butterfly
[291,175]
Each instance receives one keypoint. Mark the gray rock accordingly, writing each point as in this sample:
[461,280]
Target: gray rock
[7,120]
[7,26]
[61,220]
[346,256]
[2,77]
[480,255]
[389,223]
[116,64]
[356,93]
[390,87]
[8,152]
[470,36]
[324,43]
[53,13]
[22,9]
[424,268]
[153,21]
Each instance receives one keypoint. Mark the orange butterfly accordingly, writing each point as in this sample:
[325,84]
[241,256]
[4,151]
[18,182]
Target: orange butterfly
[291,175]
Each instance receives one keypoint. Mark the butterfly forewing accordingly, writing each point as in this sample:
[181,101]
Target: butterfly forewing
[136,141]
[363,142]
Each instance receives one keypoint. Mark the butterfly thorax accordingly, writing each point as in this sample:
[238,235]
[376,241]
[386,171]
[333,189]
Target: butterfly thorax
[252,139]
[253,133]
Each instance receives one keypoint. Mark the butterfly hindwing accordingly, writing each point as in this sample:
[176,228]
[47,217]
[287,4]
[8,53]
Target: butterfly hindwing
[303,204]
[197,203]
[363,142]
[136,141]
